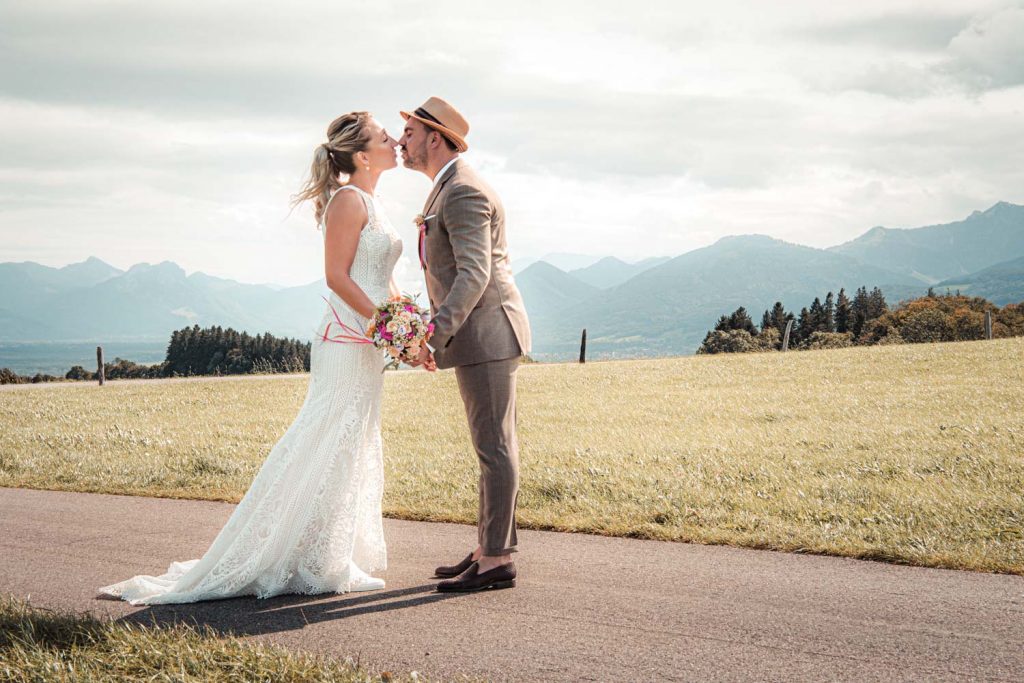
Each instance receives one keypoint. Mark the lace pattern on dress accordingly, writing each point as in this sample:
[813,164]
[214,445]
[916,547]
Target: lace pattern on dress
[311,520]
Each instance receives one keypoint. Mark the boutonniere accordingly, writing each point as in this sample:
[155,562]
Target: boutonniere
[421,225]
[421,221]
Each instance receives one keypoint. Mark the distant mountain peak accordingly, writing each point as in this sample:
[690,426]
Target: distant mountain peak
[92,263]
[542,266]
[164,268]
[1000,207]
[752,239]
[935,253]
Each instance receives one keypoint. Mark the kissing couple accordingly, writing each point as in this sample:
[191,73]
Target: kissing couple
[311,521]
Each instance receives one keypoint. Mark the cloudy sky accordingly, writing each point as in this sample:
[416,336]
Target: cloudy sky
[178,130]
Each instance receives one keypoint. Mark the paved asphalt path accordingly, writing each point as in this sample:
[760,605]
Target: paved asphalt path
[586,608]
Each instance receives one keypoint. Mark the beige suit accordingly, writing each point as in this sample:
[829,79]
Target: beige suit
[478,312]
[481,330]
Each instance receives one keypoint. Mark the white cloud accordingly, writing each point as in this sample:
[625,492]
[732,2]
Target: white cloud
[987,54]
[179,131]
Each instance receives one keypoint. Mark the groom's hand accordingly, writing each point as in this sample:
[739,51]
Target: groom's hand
[426,359]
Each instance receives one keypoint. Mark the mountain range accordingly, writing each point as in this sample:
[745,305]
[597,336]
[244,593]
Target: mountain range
[667,307]
[654,307]
[939,252]
[93,300]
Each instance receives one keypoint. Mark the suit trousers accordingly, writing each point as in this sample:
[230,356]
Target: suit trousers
[489,394]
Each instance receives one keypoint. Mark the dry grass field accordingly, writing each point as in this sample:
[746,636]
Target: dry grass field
[910,454]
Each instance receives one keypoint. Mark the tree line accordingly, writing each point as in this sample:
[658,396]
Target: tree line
[866,319]
[194,351]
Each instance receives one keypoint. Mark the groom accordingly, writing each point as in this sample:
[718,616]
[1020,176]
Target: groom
[481,328]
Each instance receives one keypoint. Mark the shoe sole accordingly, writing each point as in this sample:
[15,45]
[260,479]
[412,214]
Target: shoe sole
[497,585]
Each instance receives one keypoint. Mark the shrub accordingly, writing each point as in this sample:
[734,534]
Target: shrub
[732,341]
[968,324]
[8,376]
[829,340]
[79,373]
[892,338]
[769,339]
[928,325]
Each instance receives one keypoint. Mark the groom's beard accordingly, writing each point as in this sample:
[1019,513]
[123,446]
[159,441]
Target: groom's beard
[414,161]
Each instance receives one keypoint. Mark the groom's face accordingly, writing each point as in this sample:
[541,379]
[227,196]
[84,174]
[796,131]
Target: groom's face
[414,143]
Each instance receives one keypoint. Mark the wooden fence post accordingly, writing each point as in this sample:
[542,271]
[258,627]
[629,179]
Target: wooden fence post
[988,324]
[99,364]
[785,336]
[583,347]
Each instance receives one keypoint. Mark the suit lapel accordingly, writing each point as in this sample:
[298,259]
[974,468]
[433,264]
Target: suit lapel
[437,188]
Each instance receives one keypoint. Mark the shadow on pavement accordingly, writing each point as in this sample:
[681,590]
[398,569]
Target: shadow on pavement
[252,616]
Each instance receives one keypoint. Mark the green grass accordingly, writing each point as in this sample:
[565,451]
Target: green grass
[905,453]
[41,645]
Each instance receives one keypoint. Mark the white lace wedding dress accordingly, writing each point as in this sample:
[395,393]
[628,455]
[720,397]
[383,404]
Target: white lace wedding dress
[311,520]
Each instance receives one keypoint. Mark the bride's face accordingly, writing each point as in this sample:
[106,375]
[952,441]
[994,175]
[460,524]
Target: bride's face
[382,150]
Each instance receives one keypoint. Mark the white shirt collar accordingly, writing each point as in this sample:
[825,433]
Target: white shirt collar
[443,169]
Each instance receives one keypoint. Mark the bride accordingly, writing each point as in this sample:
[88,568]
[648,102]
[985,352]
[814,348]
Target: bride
[311,520]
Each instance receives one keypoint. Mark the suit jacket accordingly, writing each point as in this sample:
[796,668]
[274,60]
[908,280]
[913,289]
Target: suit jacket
[478,311]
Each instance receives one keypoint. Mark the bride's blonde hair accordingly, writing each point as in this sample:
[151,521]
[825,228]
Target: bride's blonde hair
[346,135]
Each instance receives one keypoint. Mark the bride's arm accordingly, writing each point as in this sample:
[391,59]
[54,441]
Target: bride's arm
[345,219]
[393,288]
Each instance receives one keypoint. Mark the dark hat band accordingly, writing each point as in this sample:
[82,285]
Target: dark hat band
[423,114]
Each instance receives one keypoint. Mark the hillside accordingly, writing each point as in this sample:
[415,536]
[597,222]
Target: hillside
[548,290]
[668,309]
[610,271]
[1001,284]
[939,252]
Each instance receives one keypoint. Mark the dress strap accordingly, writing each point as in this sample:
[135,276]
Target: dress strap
[371,214]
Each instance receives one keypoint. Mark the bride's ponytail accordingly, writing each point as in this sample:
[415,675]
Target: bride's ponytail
[346,135]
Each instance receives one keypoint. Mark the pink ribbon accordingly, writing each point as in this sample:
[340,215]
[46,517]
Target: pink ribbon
[350,336]
[423,245]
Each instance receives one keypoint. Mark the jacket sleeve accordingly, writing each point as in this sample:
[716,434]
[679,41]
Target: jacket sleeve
[467,218]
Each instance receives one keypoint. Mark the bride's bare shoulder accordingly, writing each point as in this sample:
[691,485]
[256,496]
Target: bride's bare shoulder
[346,209]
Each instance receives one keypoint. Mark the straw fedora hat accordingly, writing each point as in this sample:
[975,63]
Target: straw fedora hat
[444,118]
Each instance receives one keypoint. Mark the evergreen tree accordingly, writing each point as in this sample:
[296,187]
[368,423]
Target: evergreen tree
[842,312]
[741,320]
[738,320]
[777,317]
[860,308]
[215,350]
[816,317]
[877,305]
[828,314]
[803,328]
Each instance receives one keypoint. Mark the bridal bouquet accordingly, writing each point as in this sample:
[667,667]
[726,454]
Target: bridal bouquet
[399,327]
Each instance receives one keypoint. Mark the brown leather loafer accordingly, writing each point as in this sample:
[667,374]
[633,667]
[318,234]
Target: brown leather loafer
[448,572]
[471,580]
